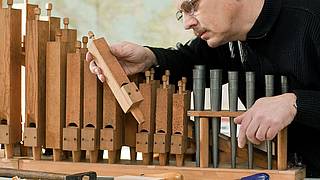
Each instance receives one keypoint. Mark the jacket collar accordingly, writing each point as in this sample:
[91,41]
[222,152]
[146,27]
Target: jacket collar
[265,20]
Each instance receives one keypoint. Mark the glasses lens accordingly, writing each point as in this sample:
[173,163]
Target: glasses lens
[179,15]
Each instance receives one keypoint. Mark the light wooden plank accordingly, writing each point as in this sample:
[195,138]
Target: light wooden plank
[214,113]
[189,173]
[10,77]
[126,93]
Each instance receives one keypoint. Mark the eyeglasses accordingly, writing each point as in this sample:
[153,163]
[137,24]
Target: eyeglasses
[188,7]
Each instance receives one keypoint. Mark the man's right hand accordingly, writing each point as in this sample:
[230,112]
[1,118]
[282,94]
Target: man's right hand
[132,57]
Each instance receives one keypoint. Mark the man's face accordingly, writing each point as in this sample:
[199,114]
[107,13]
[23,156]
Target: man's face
[212,20]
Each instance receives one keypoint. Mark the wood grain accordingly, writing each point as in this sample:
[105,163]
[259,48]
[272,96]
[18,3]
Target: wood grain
[55,93]
[10,77]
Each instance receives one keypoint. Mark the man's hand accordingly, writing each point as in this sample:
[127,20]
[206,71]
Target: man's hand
[132,57]
[266,118]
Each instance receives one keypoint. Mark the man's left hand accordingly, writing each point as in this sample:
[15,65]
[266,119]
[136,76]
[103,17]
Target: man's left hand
[266,118]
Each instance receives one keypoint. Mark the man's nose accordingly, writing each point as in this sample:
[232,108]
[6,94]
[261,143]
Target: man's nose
[189,21]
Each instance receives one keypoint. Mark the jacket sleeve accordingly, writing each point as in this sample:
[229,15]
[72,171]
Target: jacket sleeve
[308,107]
[181,60]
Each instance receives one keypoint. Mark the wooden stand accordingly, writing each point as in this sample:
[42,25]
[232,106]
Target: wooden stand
[281,150]
[163,121]
[189,172]
[56,94]
[111,138]
[74,101]
[36,47]
[10,77]
[144,137]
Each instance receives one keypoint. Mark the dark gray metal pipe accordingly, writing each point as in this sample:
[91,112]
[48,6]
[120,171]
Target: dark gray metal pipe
[269,82]
[233,106]
[215,100]
[198,100]
[250,95]
[284,84]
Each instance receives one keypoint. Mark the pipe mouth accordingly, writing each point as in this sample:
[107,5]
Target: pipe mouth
[144,131]
[108,126]
[4,122]
[72,125]
[90,126]
[161,131]
[32,125]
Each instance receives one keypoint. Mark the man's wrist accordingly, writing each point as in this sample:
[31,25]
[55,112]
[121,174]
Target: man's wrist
[151,57]
[293,101]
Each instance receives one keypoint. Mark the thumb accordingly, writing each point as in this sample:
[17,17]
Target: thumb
[115,49]
[238,120]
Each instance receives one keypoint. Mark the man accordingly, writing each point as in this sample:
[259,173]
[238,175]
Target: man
[279,37]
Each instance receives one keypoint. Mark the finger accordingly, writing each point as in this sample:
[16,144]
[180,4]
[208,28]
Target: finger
[89,57]
[251,131]
[101,77]
[262,132]
[271,133]
[242,131]
[239,119]
[116,49]
[93,67]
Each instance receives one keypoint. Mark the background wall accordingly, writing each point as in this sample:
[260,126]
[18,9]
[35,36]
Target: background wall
[145,22]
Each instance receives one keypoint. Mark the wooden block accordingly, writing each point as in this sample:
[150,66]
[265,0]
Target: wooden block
[27,14]
[112,112]
[10,76]
[133,154]
[36,47]
[126,93]
[31,137]
[2,154]
[93,113]
[89,139]
[148,105]
[4,134]
[164,110]
[161,143]
[215,113]
[130,130]
[204,142]
[54,25]
[71,139]
[93,95]
[55,93]
[112,133]
[69,36]
[189,172]
[144,142]
[109,140]
[181,104]
[30,11]
[282,145]
[178,144]
[74,102]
